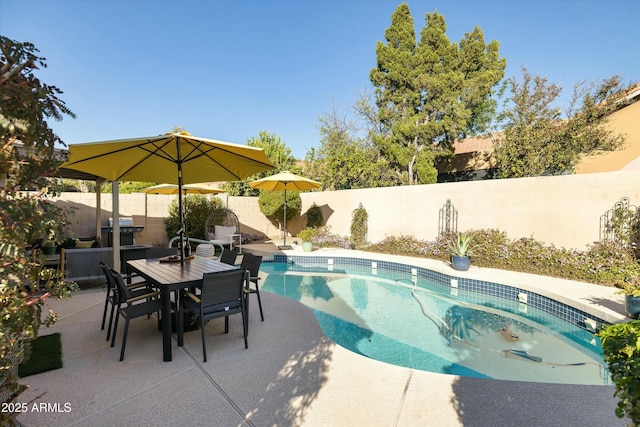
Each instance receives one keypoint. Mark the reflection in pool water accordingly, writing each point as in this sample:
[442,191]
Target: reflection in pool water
[413,323]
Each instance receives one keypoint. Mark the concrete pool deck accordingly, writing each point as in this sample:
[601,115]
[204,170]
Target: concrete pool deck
[291,374]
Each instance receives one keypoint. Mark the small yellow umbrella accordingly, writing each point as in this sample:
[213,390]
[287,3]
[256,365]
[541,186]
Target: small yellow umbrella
[186,189]
[285,181]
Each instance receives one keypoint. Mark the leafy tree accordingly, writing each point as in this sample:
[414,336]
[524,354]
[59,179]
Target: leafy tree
[276,151]
[271,204]
[27,158]
[344,161]
[431,92]
[198,208]
[537,141]
[74,185]
[127,187]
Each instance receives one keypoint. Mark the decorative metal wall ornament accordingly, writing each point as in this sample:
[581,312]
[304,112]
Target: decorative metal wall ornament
[621,223]
[448,218]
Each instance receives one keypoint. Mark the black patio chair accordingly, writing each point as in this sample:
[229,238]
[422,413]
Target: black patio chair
[130,307]
[229,256]
[251,263]
[222,294]
[138,288]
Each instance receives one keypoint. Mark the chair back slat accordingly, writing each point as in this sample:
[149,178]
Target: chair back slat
[229,256]
[107,273]
[124,293]
[252,263]
[223,287]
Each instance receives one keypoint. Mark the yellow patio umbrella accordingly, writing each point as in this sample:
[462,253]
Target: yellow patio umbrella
[175,158]
[186,189]
[285,181]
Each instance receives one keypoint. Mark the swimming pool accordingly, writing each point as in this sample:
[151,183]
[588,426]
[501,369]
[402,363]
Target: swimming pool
[409,317]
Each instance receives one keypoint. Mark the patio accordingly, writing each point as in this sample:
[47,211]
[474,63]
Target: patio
[291,375]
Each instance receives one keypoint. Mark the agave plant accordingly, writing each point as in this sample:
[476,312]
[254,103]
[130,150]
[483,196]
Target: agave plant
[461,244]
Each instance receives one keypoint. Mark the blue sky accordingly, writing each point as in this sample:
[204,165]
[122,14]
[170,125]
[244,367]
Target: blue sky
[228,69]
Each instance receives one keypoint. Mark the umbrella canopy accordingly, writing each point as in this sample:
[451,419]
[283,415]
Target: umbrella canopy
[175,158]
[186,189]
[285,181]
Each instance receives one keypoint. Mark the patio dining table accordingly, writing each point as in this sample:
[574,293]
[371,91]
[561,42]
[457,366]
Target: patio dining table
[169,277]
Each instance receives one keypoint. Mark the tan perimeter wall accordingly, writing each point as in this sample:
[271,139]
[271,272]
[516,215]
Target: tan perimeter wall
[563,210]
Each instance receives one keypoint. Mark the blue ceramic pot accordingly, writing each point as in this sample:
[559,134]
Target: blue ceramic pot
[460,263]
[632,306]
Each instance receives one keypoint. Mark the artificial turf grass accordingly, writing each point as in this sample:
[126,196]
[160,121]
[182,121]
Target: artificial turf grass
[45,355]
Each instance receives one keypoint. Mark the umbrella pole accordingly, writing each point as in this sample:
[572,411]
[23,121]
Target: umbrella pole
[180,203]
[187,246]
[284,245]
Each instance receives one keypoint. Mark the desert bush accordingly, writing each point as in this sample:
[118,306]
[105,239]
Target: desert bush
[603,263]
[323,238]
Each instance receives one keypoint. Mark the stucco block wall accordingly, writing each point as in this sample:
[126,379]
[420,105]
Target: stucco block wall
[252,221]
[563,210]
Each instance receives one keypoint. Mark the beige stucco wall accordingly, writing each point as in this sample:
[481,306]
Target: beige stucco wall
[563,210]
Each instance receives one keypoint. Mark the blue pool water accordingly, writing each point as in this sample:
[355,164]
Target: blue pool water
[418,323]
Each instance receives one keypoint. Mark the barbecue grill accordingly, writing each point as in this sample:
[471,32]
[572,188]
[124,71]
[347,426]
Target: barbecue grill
[127,230]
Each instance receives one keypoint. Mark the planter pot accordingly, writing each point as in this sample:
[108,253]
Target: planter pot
[49,250]
[460,263]
[632,306]
[307,246]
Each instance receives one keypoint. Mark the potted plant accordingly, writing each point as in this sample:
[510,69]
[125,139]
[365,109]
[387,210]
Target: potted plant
[621,348]
[631,290]
[49,247]
[306,235]
[460,248]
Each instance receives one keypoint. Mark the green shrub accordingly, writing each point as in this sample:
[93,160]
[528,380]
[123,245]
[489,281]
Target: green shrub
[198,208]
[603,263]
[621,348]
[359,227]
[307,234]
